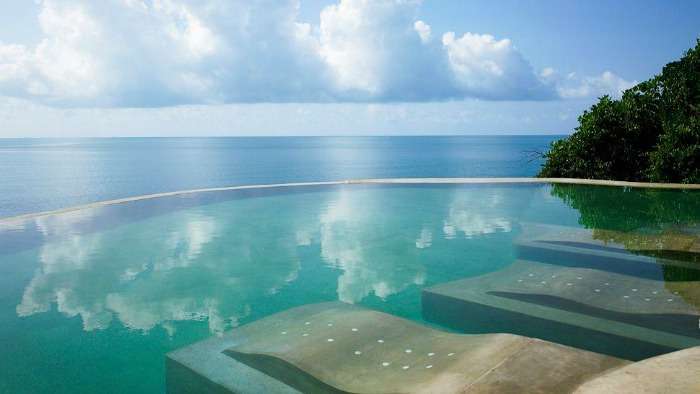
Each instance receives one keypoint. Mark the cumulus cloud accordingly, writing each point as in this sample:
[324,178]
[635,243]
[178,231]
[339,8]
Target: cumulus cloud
[488,68]
[373,52]
[573,86]
[145,53]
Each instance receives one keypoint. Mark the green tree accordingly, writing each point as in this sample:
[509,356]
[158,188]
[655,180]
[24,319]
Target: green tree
[651,134]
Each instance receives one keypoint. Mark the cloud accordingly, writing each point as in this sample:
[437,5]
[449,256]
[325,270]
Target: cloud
[572,86]
[164,52]
[492,69]
[153,53]
[423,30]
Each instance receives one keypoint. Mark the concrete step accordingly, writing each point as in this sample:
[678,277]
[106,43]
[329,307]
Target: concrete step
[336,347]
[669,256]
[606,312]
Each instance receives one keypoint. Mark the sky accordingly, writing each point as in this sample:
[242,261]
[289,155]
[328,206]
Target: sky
[73,68]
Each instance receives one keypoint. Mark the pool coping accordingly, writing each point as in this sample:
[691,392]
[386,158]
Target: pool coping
[369,181]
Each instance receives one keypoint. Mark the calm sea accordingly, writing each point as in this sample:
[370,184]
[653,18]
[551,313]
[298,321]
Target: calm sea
[46,174]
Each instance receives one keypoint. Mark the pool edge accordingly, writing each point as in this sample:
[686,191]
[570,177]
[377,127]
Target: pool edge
[369,181]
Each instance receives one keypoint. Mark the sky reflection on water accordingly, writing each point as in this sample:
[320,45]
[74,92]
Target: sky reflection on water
[173,271]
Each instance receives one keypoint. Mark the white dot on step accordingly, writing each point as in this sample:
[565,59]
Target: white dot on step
[330,339]
[626,296]
[520,280]
[431,354]
[357,352]
[543,282]
[597,290]
[569,284]
[385,364]
[307,323]
[284,332]
[405,367]
[428,366]
[675,293]
[634,289]
[670,300]
[530,274]
[305,334]
[354,329]
[380,341]
[554,276]
[579,278]
[654,292]
[607,284]
[408,350]
[450,354]
[330,324]
[647,299]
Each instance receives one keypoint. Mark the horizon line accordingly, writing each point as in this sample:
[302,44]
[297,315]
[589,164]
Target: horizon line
[285,136]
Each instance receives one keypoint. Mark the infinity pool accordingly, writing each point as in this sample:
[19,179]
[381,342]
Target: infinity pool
[92,300]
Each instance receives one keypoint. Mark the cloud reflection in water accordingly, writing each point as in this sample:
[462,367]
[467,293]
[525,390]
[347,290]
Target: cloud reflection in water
[220,263]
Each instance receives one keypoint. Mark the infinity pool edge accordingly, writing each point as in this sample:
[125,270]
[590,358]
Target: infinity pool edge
[388,181]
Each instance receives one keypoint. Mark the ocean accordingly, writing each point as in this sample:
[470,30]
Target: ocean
[47,174]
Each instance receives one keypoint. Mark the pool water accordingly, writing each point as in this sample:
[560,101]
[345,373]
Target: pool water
[92,300]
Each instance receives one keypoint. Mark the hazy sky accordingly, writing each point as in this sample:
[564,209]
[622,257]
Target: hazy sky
[345,67]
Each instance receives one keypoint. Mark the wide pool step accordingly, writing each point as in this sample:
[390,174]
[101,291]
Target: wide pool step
[669,256]
[336,347]
[606,312]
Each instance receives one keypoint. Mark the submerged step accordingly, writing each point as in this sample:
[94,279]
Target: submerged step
[605,312]
[336,347]
[668,256]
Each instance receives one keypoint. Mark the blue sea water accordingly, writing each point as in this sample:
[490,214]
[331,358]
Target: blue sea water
[46,174]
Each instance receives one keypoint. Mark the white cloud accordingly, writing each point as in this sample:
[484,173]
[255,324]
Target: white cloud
[373,52]
[132,53]
[488,68]
[574,87]
[164,52]
[547,72]
[423,30]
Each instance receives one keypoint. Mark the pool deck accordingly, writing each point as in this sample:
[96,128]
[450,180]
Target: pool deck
[676,372]
[378,181]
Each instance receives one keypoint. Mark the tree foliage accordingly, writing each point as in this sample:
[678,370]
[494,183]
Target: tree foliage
[652,133]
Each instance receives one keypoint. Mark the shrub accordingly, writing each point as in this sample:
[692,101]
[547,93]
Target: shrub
[651,134]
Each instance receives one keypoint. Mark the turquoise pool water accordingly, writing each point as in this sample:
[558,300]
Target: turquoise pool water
[91,300]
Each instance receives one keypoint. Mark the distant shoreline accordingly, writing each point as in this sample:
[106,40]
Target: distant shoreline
[377,181]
